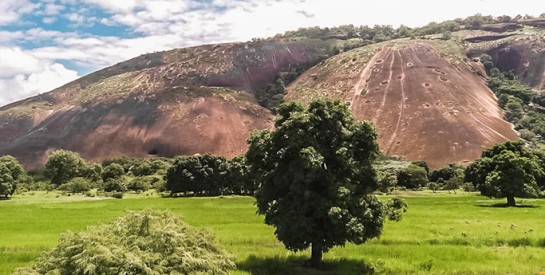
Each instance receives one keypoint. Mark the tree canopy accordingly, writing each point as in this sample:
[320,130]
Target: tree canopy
[62,166]
[507,170]
[11,172]
[315,177]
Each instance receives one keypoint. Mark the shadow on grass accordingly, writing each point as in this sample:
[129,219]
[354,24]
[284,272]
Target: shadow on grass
[505,205]
[299,265]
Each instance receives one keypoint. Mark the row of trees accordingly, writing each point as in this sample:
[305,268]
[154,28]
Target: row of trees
[380,33]
[209,175]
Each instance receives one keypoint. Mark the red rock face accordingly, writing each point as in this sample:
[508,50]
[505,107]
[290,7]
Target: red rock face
[525,56]
[425,108]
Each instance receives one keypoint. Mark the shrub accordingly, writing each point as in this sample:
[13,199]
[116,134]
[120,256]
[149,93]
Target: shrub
[144,242]
[76,185]
[115,185]
[117,195]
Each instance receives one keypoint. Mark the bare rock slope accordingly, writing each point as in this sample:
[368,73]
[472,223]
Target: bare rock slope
[427,101]
[184,101]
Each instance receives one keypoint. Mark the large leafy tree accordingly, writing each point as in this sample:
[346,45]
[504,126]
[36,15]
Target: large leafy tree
[62,166]
[316,177]
[11,172]
[507,170]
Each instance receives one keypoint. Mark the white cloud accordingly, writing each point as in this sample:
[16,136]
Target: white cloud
[12,10]
[23,75]
[52,9]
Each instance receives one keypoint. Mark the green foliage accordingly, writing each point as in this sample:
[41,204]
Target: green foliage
[446,36]
[412,177]
[447,172]
[62,166]
[237,179]
[316,177]
[112,171]
[94,172]
[76,185]
[422,164]
[117,195]
[143,184]
[502,84]
[433,186]
[507,170]
[115,184]
[7,183]
[199,174]
[11,174]
[513,110]
[273,95]
[147,242]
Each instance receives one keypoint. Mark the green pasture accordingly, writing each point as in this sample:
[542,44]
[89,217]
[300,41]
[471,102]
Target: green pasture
[441,233]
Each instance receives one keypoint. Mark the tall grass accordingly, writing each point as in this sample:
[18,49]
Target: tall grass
[440,233]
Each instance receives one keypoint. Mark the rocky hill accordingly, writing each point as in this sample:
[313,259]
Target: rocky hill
[184,101]
[426,99]
[427,96]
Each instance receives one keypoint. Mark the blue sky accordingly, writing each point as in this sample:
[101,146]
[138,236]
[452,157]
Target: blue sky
[47,43]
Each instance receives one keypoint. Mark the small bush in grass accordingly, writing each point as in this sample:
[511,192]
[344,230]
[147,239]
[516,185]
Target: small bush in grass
[76,185]
[117,195]
[146,242]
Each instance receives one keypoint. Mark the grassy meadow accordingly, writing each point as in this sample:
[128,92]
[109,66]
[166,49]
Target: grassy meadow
[441,233]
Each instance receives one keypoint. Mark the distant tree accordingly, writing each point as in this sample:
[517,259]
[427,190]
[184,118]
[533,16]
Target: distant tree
[433,186]
[506,170]
[455,181]
[147,242]
[63,166]
[504,19]
[141,184]
[447,172]
[76,185]
[94,172]
[238,180]
[7,183]
[412,177]
[446,35]
[514,110]
[112,171]
[422,164]
[316,177]
[118,184]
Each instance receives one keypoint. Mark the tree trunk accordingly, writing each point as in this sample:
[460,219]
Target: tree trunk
[316,257]
[511,201]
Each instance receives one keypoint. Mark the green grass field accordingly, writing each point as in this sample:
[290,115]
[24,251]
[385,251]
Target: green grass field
[441,233]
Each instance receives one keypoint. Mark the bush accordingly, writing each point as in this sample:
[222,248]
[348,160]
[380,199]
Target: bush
[117,195]
[412,177]
[113,171]
[143,184]
[76,185]
[144,242]
[115,185]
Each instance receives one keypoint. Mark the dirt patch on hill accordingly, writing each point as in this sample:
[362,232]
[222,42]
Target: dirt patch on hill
[424,107]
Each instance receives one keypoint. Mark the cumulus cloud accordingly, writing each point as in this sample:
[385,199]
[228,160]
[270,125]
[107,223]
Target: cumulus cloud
[12,10]
[23,75]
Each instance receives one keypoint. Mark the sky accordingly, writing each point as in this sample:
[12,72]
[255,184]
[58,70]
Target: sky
[47,43]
